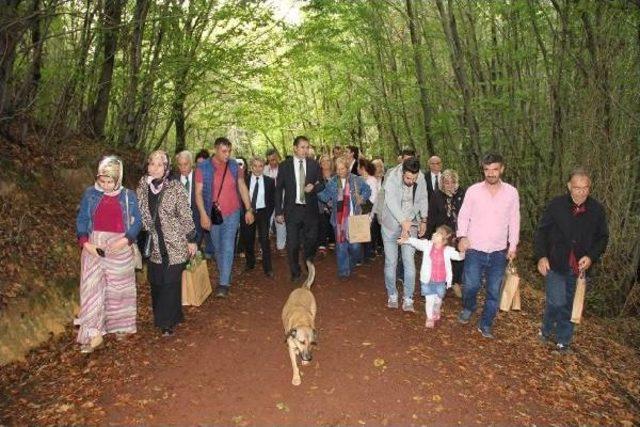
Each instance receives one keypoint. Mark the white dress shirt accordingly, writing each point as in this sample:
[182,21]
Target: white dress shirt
[434,179]
[260,204]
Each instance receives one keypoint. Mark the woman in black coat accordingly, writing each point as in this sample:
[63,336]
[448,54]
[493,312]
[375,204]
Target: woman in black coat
[444,205]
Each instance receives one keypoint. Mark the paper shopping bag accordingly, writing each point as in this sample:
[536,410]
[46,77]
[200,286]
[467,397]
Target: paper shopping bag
[578,299]
[359,229]
[516,305]
[510,299]
[196,286]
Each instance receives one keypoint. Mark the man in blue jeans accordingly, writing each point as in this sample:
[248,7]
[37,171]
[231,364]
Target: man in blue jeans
[403,212]
[488,228]
[572,234]
[220,182]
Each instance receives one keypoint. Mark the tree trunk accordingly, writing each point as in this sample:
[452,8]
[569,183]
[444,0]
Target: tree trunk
[179,118]
[141,123]
[78,72]
[10,33]
[451,32]
[110,22]
[128,133]
[417,58]
[32,80]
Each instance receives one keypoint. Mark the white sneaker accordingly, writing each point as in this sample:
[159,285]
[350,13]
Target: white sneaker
[392,302]
[407,305]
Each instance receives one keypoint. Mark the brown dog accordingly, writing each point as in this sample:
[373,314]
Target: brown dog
[298,319]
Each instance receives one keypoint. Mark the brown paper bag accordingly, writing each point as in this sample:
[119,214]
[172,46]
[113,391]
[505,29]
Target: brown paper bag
[516,305]
[578,299]
[510,299]
[359,229]
[196,286]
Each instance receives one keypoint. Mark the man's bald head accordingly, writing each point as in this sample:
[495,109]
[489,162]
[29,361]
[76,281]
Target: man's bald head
[435,164]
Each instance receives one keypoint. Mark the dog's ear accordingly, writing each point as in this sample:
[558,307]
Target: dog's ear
[314,337]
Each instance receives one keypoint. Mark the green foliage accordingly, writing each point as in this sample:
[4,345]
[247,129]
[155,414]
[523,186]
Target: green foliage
[549,84]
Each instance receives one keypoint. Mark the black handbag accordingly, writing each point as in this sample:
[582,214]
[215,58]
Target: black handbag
[216,214]
[148,242]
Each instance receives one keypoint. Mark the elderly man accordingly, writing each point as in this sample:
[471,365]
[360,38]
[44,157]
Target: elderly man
[271,170]
[184,160]
[571,236]
[220,184]
[435,167]
[403,213]
[488,229]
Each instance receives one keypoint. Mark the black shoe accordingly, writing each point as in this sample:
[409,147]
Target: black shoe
[562,349]
[222,292]
[295,278]
[269,274]
[249,268]
[167,332]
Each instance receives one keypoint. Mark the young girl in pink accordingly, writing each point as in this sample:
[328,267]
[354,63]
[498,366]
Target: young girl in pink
[435,273]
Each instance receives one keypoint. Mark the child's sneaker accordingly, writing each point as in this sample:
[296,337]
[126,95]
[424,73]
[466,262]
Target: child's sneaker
[407,305]
[430,323]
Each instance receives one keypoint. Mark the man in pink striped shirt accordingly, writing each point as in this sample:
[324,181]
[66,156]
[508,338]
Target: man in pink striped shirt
[488,228]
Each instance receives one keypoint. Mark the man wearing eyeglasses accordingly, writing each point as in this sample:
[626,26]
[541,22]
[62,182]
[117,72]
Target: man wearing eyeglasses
[435,167]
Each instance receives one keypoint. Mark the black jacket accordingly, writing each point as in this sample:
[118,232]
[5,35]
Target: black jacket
[559,231]
[269,191]
[427,178]
[287,181]
[443,210]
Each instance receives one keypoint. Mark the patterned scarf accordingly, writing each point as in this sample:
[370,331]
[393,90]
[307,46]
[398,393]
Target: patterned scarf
[110,166]
[342,215]
[156,184]
[576,211]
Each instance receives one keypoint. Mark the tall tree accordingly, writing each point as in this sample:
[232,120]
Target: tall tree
[420,76]
[111,17]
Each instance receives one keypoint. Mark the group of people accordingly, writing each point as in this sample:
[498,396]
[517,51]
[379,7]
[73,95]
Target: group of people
[467,236]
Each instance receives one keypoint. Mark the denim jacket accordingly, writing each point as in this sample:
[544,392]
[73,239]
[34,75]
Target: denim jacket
[90,200]
[330,193]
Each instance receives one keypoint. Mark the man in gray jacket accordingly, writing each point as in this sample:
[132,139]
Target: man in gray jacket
[403,212]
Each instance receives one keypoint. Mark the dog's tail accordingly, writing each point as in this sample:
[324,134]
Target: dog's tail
[311,276]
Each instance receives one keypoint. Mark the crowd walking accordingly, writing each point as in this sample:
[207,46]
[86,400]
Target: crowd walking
[309,207]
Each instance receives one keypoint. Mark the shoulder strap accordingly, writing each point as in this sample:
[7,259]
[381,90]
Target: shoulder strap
[224,175]
[126,201]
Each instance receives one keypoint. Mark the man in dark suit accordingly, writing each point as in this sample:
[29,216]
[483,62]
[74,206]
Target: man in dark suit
[353,153]
[299,178]
[184,174]
[262,193]
[432,177]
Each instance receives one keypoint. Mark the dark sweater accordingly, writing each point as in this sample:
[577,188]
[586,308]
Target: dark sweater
[559,231]
[443,210]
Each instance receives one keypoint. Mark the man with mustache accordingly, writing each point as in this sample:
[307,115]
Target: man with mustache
[488,228]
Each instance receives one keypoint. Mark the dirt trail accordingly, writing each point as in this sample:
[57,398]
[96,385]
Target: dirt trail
[228,365]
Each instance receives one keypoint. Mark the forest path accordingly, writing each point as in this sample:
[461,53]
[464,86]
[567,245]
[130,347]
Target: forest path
[228,364]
